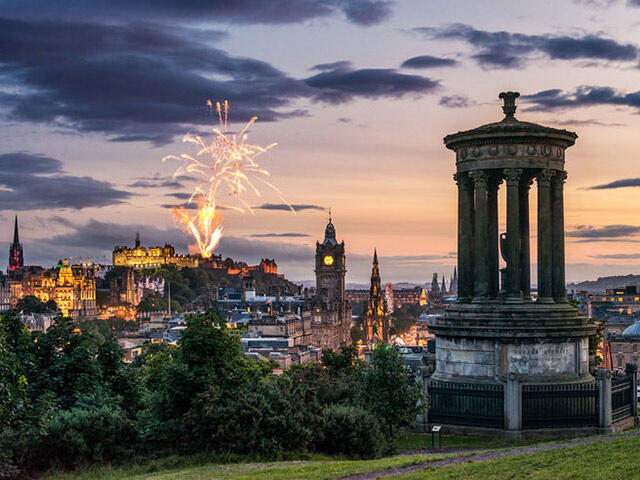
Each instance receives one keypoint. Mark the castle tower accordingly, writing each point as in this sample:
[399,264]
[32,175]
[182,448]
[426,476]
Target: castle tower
[377,325]
[443,288]
[330,267]
[15,250]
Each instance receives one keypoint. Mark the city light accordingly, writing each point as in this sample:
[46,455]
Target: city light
[227,164]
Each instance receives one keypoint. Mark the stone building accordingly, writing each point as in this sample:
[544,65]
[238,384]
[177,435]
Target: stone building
[140,257]
[289,324]
[625,348]
[73,288]
[329,309]
[495,342]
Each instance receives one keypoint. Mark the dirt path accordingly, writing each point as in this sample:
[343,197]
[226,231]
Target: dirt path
[486,456]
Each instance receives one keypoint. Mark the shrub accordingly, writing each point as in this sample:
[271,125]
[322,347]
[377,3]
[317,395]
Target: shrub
[82,435]
[352,431]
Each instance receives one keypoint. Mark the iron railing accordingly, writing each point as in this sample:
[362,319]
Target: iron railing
[559,405]
[471,404]
[622,392]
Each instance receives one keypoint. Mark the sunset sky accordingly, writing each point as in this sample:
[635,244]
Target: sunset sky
[358,94]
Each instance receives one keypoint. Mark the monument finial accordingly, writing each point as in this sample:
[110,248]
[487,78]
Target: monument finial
[509,107]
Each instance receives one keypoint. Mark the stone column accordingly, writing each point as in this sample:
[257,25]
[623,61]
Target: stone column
[557,214]
[492,228]
[525,242]
[481,238]
[465,237]
[512,406]
[512,290]
[605,413]
[544,237]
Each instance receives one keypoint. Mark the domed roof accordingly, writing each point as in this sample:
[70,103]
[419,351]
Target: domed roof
[509,127]
[632,330]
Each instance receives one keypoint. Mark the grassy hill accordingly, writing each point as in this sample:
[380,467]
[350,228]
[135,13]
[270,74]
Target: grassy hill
[603,459]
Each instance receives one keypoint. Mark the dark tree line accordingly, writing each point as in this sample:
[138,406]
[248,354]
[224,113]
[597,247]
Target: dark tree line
[67,398]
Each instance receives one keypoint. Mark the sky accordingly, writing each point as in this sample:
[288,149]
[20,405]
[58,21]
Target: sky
[358,95]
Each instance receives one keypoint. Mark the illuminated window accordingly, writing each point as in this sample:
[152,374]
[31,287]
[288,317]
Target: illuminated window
[636,299]
[619,299]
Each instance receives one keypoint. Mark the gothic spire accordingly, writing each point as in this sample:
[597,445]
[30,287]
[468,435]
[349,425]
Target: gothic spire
[16,236]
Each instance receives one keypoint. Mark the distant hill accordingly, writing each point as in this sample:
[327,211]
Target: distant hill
[602,283]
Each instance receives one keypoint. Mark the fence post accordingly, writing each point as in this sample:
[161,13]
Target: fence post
[605,413]
[631,369]
[513,406]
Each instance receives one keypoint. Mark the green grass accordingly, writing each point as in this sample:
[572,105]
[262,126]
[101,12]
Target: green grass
[413,441]
[323,468]
[613,459]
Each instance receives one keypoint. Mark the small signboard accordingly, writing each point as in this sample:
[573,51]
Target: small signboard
[436,428]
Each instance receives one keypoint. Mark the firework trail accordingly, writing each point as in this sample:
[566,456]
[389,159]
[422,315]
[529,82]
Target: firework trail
[226,164]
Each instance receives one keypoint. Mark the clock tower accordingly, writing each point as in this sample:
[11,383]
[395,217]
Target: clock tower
[330,267]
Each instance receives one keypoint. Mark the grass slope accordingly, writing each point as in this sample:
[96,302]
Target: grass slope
[312,470]
[613,459]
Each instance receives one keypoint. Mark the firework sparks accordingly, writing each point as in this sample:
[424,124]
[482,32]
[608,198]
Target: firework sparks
[226,164]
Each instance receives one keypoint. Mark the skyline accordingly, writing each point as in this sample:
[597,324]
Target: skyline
[358,104]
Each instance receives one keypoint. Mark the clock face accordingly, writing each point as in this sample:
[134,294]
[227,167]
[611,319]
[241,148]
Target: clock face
[328,260]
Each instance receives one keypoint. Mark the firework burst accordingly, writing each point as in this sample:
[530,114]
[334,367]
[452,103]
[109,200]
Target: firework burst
[224,165]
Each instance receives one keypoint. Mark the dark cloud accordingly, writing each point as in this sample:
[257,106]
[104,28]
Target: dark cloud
[608,231]
[339,65]
[34,182]
[360,12]
[179,195]
[146,82]
[104,236]
[344,120]
[21,162]
[454,101]
[429,61]
[588,122]
[276,235]
[366,12]
[583,96]
[511,50]
[618,256]
[342,84]
[185,205]
[284,206]
[625,182]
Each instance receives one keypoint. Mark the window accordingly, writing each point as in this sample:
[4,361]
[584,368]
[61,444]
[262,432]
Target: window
[635,348]
[619,348]
[620,361]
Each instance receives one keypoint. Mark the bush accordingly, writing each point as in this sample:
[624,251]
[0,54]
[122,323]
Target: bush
[352,431]
[82,435]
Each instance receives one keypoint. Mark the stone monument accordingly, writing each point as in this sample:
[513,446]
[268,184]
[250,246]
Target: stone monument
[496,338]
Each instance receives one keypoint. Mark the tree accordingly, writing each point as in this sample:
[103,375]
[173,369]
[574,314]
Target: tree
[401,322]
[32,304]
[388,392]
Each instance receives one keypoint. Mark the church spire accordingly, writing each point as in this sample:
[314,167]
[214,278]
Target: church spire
[15,250]
[16,236]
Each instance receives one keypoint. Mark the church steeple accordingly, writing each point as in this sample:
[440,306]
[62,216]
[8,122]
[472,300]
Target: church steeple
[16,236]
[15,250]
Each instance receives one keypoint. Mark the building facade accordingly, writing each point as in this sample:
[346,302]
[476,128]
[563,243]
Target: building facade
[329,310]
[140,257]
[73,288]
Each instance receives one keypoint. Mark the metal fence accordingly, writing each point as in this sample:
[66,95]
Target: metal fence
[466,404]
[622,401]
[559,405]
